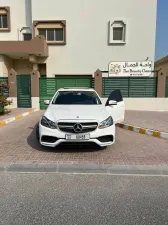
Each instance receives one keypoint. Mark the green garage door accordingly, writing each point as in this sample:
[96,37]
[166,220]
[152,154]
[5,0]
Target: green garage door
[48,86]
[23,91]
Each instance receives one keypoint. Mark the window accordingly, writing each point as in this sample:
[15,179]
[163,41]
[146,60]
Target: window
[42,32]
[52,34]
[4,19]
[53,31]
[76,98]
[27,37]
[117,34]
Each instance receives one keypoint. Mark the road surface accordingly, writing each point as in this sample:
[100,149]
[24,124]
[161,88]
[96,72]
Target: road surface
[76,199]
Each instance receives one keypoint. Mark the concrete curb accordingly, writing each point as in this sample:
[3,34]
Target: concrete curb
[146,131]
[107,169]
[11,119]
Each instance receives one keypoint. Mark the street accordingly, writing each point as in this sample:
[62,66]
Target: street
[40,199]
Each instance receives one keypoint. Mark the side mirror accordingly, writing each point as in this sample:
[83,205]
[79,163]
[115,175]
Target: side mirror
[112,102]
[47,102]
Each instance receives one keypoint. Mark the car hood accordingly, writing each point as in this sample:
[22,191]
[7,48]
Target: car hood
[75,112]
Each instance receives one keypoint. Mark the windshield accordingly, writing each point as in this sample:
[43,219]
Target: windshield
[76,98]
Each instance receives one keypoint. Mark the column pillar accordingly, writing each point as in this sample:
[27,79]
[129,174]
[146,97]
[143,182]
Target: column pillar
[161,85]
[98,82]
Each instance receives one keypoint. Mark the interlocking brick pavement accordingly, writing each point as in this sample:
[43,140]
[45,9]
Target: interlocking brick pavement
[18,145]
[146,119]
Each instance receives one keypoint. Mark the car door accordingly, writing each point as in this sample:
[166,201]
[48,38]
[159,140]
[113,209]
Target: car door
[117,110]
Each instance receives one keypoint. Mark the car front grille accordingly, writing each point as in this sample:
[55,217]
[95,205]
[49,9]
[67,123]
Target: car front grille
[69,127]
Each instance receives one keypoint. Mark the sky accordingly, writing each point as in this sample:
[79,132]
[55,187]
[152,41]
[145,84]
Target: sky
[161,48]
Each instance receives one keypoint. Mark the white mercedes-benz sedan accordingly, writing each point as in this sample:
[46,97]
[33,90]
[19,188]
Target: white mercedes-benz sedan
[78,115]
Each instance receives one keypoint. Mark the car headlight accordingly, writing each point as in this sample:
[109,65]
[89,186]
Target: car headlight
[48,123]
[106,123]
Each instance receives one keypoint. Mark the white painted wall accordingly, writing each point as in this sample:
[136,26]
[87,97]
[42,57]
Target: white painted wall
[35,102]
[14,103]
[20,17]
[144,104]
[87,46]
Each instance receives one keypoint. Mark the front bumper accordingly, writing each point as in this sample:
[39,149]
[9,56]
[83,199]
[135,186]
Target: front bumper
[53,137]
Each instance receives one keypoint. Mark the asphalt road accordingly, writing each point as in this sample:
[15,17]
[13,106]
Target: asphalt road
[69,199]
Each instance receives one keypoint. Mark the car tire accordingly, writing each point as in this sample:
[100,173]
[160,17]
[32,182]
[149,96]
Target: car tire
[37,133]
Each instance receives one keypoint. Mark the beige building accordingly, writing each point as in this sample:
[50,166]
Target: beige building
[80,36]
[161,66]
[70,40]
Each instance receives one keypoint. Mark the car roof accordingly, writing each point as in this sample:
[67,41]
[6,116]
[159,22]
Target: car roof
[76,89]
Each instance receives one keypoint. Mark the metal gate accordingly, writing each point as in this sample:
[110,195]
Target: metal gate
[23,91]
[131,87]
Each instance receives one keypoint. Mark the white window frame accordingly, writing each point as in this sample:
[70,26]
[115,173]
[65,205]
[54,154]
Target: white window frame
[118,23]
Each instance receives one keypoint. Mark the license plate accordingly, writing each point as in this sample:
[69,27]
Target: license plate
[77,136]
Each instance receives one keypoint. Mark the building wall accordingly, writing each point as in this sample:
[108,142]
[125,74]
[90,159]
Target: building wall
[7,65]
[87,45]
[87,33]
[22,66]
[17,17]
[163,67]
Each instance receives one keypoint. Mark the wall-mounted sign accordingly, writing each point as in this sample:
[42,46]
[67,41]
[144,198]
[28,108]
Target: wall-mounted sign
[127,69]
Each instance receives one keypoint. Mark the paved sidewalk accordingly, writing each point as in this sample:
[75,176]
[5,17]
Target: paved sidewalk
[14,112]
[146,119]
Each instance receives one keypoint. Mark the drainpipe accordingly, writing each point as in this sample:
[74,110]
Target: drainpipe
[28,13]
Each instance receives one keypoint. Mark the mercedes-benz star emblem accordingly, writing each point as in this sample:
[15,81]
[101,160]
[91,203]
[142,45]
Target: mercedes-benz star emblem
[77,127]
